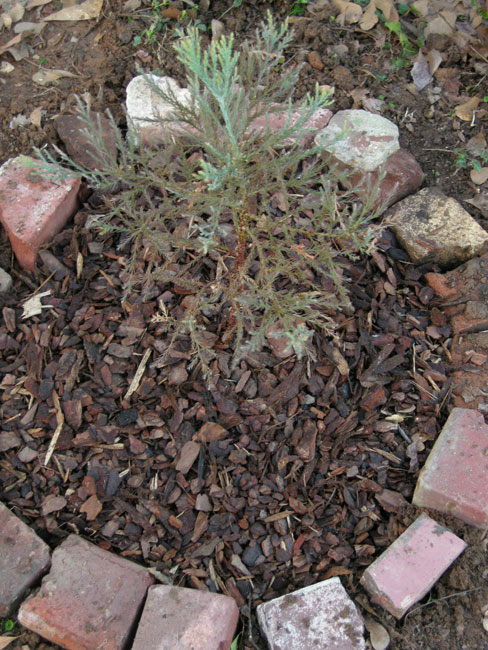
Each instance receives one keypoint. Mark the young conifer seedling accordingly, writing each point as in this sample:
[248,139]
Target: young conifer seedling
[245,222]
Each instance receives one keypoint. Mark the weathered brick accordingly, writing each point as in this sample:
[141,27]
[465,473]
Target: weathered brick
[33,208]
[24,557]
[187,619]
[408,569]
[318,616]
[455,475]
[90,598]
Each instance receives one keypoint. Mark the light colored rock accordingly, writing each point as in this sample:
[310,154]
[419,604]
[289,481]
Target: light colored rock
[432,227]
[359,139]
[146,108]
[6,281]
[319,616]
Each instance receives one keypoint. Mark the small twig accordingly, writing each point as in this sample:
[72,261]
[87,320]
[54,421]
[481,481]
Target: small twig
[438,600]
[59,428]
[134,384]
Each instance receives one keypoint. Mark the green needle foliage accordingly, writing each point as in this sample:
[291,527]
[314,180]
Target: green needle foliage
[245,221]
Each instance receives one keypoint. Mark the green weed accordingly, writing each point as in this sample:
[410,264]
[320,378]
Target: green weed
[200,213]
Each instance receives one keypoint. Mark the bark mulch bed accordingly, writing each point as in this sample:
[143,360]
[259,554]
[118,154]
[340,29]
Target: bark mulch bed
[280,474]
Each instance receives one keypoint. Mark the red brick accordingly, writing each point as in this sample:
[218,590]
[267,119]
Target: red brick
[90,599]
[186,619]
[318,616]
[24,557]
[409,568]
[455,475]
[33,208]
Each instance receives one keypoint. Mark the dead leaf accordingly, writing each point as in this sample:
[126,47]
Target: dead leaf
[13,41]
[29,29]
[477,144]
[17,12]
[37,3]
[379,637]
[387,7]
[92,508]
[349,12]
[369,18]
[479,176]
[36,116]
[420,72]
[6,640]
[132,5]
[217,28]
[6,20]
[480,201]
[466,111]
[443,23]
[85,11]
[434,58]
[34,306]
[44,77]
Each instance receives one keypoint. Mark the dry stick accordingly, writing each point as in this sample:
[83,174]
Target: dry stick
[60,422]
[438,600]
[134,384]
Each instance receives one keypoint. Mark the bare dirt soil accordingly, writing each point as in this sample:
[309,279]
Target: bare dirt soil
[289,489]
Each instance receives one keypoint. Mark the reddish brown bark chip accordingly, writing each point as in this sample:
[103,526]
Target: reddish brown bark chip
[90,598]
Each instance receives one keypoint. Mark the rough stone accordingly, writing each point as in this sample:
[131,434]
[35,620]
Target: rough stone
[319,616]
[274,121]
[455,475]
[71,129]
[6,281]
[398,177]
[146,108]
[186,619]
[434,228]
[409,568]
[90,598]
[24,558]
[33,208]
[359,139]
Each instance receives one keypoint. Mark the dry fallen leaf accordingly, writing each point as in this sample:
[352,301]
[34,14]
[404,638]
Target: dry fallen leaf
[85,11]
[477,144]
[465,111]
[387,7]
[420,72]
[379,637]
[34,306]
[6,640]
[349,12]
[442,23]
[37,3]
[36,116]
[434,58]
[11,42]
[480,201]
[44,77]
[479,176]
[369,18]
